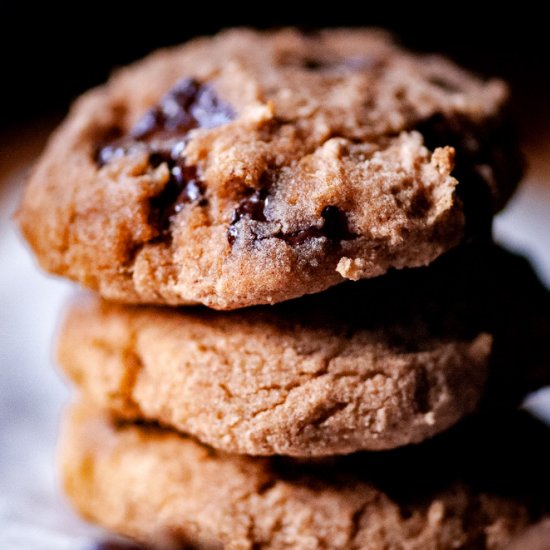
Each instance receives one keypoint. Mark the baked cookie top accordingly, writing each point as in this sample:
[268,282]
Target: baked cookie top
[370,365]
[251,168]
[473,487]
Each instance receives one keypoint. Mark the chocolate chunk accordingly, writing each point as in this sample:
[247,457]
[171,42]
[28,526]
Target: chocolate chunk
[335,227]
[163,129]
[183,187]
[301,236]
[162,132]
[251,207]
[188,105]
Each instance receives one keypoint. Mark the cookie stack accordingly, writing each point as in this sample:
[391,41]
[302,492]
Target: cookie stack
[293,180]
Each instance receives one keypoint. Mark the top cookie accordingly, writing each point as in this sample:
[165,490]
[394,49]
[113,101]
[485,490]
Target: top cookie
[252,168]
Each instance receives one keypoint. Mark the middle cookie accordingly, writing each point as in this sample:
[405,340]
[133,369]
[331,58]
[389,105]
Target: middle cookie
[261,384]
[264,383]
[364,366]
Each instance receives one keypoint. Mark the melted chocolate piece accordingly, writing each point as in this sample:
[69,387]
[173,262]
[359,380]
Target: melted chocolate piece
[187,106]
[335,227]
[301,236]
[183,187]
[251,207]
[162,133]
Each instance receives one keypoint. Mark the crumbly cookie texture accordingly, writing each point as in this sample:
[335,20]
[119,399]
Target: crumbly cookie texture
[261,385]
[169,491]
[251,168]
[367,365]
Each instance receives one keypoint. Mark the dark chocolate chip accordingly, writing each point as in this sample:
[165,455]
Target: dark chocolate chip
[250,207]
[335,228]
[187,106]
[162,132]
[183,187]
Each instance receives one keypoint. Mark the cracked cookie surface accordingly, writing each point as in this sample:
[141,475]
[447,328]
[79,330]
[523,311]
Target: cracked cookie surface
[473,487]
[252,168]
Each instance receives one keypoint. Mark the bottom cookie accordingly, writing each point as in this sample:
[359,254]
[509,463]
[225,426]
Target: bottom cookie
[476,486]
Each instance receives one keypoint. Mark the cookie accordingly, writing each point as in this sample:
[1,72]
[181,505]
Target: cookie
[249,385]
[369,365]
[169,491]
[252,168]
[363,366]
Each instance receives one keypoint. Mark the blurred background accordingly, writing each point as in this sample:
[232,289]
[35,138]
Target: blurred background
[50,55]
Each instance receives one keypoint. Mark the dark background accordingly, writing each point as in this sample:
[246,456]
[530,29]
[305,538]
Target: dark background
[50,55]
